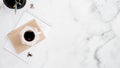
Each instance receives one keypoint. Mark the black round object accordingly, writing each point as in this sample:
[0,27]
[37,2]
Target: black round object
[29,36]
[11,3]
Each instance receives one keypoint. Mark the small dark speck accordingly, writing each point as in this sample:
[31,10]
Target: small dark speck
[88,39]
[32,6]
[29,54]
[102,34]
[75,19]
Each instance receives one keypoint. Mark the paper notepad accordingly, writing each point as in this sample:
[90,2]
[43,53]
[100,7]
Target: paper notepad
[19,50]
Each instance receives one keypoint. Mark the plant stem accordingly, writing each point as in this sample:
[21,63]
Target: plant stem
[16,3]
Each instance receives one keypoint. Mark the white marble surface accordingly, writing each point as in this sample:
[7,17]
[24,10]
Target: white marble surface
[84,34]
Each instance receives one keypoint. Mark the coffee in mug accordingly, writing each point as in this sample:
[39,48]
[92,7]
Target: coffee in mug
[29,35]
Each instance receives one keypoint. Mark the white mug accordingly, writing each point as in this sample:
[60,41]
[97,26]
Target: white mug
[34,32]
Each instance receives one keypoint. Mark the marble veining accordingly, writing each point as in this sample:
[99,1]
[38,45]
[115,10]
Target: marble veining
[104,8]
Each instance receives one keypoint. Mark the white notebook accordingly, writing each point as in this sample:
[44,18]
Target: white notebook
[24,19]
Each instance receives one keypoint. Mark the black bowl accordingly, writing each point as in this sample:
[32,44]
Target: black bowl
[11,3]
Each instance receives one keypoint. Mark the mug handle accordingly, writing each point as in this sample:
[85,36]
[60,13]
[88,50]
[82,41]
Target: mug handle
[38,32]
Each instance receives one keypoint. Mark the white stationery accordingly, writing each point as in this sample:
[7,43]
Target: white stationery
[25,18]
